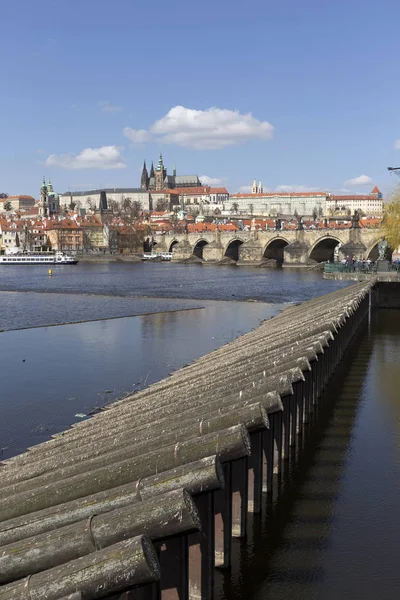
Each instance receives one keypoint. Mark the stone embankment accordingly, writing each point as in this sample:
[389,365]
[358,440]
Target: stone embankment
[151,492]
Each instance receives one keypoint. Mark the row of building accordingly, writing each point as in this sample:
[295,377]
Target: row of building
[160,191]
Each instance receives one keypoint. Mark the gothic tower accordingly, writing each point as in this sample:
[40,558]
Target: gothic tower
[160,174]
[43,205]
[260,187]
[144,182]
[254,187]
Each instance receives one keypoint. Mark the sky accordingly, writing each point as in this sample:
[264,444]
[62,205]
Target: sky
[303,94]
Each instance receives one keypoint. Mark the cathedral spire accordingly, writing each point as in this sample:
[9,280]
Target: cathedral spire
[254,187]
[152,170]
[160,163]
[144,181]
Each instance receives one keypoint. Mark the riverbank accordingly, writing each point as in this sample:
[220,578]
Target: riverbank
[108,258]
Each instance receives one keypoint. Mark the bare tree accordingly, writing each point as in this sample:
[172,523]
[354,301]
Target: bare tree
[161,205]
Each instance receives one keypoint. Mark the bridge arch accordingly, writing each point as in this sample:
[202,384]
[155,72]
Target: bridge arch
[232,248]
[323,249]
[275,249]
[172,244]
[198,247]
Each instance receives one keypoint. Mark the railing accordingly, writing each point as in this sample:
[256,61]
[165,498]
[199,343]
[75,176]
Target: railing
[357,267]
[350,268]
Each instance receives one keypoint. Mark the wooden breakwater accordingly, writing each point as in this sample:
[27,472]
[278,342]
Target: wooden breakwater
[144,499]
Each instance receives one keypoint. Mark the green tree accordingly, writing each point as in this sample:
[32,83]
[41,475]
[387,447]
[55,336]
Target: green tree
[7,205]
[391,220]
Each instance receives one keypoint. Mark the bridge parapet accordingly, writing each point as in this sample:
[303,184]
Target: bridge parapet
[302,246]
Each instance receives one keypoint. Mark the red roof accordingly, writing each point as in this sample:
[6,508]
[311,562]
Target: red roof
[376,190]
[20,196]
[218,191]
[204,189]
[167,191]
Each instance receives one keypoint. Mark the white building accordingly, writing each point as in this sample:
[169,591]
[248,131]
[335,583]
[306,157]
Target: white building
[21,202]
[280,203]
[371,204]
[202,195]
[90,200]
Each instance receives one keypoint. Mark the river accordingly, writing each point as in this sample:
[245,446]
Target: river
[333,534]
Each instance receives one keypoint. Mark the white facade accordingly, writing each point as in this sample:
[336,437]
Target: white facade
[90,200]
[21,202]
[370,205]
[203,195]
[275,204]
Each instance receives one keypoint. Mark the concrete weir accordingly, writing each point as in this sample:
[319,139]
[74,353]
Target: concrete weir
[144,499]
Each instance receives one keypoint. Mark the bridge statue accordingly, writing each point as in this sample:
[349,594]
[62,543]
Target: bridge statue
[300,224]
[355,220]
[336,253]
[382,249]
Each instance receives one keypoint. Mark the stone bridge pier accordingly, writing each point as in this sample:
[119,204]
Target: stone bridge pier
[292,247]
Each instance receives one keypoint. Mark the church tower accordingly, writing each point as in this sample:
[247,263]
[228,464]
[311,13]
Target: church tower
[260,187]
[160,174]
[254,187]
[144,181]
[43,205]
[53,200]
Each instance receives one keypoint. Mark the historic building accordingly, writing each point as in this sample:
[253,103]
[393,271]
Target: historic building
[158,179]
[49,201]
[280,203]
[20,202]
[91,199]
[368,204]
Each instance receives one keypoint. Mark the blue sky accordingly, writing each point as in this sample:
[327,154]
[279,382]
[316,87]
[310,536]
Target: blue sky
[301,93]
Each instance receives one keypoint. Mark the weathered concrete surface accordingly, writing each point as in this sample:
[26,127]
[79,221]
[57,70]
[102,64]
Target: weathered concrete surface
[391,276]
[252,395]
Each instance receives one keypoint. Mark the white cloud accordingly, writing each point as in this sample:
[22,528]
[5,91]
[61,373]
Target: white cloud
[107,107]
[206,180]
[397,145]
[209,129]
[360,180]
[106,157]
[137,136]
[295,188]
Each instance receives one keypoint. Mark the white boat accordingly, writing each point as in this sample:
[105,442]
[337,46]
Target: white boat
[156,256]
[39,258]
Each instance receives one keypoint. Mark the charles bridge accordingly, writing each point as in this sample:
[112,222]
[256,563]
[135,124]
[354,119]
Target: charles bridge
[289,247]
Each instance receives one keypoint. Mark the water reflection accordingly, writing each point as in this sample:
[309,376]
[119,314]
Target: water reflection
[50,374]
[333,533]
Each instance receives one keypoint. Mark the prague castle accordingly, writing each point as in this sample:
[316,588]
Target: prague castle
[158,179]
